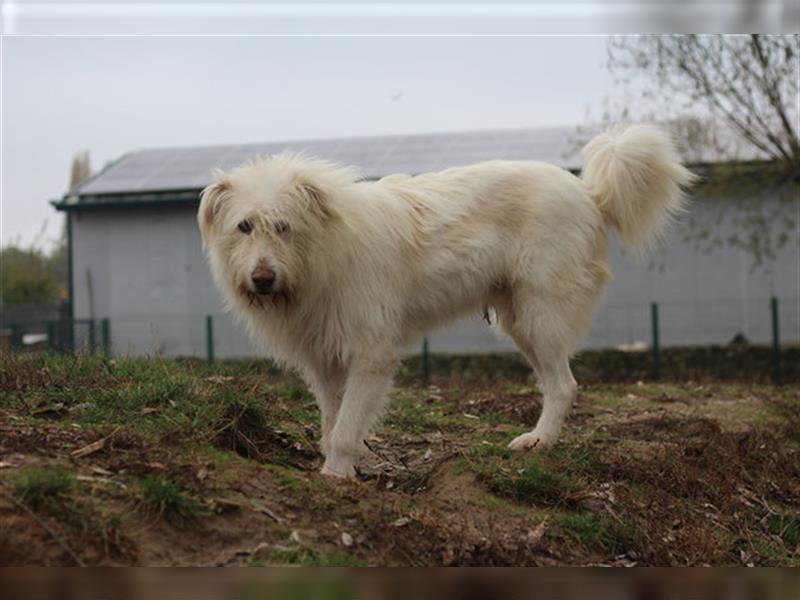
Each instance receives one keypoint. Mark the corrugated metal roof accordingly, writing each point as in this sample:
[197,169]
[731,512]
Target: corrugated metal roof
[170,169]
[174,175]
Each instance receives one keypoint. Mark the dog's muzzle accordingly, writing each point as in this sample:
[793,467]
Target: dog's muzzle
[263,279]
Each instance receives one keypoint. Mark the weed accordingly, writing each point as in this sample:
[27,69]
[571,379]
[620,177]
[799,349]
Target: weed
[787,527]
[167,498]
[307,557]
[294,391]
[534,484]
[39,487]
[491,451]
[286,478]
[416,418]
[608,401]
[551,478]
[596,532]
[242,427]
[246,428]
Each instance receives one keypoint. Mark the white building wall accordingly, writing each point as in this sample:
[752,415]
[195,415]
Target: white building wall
[150,279]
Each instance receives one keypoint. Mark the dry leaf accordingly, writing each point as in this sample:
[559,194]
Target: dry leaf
[12,461]
[536,534]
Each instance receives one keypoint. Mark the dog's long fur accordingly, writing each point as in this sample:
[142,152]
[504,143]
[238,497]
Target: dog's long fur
[364,267]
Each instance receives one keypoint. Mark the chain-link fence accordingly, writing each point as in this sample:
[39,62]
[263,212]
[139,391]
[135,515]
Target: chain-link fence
[635,328]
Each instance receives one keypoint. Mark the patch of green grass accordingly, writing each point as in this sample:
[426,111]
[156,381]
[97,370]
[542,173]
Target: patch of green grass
[577,458]
[294,391]
[504,506]
[595,532]
[533,484]
[608,401]
[787,527]
[306,414]
[307,557]
[177,399]
[286,477]
[166,498]
[411,417]
[553,477]
[51,490]
[41,487]
[243,421]
[491,451]
[767,552]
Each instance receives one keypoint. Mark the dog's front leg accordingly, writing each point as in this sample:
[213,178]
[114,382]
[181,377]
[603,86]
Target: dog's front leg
[327,384]
[368,381]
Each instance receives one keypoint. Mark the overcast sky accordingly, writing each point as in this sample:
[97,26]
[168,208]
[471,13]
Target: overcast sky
[113,95]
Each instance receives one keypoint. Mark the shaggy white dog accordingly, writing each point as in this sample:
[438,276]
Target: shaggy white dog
[330,274]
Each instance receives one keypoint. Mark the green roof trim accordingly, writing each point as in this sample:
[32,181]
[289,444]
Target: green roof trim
[131,200]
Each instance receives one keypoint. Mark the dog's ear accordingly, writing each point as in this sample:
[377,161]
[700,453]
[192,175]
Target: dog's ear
[313,197]
[212,198]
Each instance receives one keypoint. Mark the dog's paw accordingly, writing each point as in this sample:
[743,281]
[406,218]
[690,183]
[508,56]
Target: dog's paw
[341,468]
[532,441]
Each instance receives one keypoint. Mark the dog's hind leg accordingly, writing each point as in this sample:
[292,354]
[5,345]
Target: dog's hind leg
[368,382]
[543,331]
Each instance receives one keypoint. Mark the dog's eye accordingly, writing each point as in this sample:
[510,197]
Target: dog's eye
[245,226]
[281,227]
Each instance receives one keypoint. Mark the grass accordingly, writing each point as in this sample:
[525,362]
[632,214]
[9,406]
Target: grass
[243,427]
[241,432]
[295,391]
[42,487]
[412,417]
[489,450]
[596,532]
[305,557]
[49,490]
[166,498]
[787,527]
[554,477]
[286,478]
[534,484]
[232,405]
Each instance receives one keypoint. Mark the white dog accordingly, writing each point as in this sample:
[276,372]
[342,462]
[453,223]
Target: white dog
[331,274]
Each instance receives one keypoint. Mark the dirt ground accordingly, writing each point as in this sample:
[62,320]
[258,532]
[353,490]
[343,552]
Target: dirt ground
[157,462]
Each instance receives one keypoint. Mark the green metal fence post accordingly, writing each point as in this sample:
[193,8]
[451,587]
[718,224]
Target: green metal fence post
[15,341]
[51,335]
[426,367]
[105,334]
[777,375]
[656,342]
[67,335]
[210,338]
[92,341]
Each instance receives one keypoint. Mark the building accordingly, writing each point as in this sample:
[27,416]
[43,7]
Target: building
[136,257]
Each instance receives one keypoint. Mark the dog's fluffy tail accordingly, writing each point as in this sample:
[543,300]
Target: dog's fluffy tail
[638,181]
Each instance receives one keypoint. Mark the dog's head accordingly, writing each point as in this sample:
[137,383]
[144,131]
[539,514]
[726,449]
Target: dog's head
[260,222]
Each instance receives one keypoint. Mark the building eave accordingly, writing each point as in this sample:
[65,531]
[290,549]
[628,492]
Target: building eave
[157,198]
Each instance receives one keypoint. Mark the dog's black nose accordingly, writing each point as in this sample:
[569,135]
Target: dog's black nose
[263,279]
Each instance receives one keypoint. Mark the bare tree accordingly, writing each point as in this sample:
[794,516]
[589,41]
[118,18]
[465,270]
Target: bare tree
[747,82]
[732,104]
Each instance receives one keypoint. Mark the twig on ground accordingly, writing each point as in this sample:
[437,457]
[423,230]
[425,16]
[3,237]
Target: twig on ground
[93,447]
